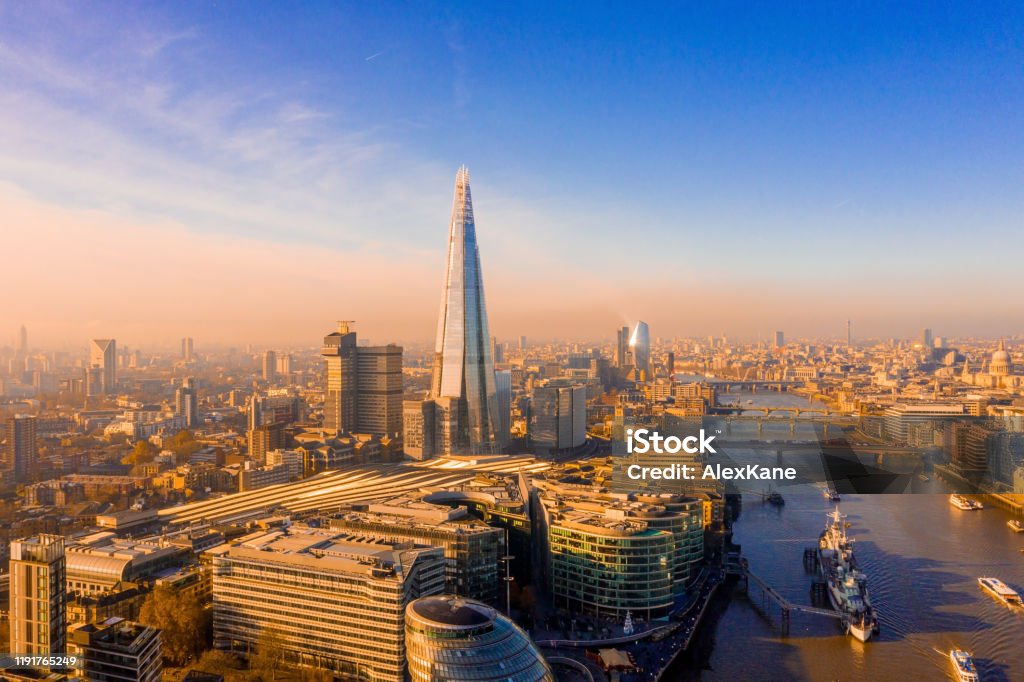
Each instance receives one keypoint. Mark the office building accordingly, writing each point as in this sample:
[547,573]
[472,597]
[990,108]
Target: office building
[622,347]
[899,418]
[186,402]
[463,366]
[117,650]
[558,418]
[610,552]
[21,446]
[472,549]
[640,348]
[927,339]
[187,348]
[284,364]
[522,343]
[419,432]
[455,639]
[333,601]
[497,351]
[102,357]
[339,352]
[379,397]
[780,339]
[503,392]
[364,385]
[38,596]
[269,365]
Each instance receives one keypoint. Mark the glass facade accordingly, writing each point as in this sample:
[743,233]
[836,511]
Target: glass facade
[449,639]
[463,366]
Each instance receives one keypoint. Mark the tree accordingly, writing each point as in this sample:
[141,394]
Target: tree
[143,452]
[183,444]
[182,621]
[269,657]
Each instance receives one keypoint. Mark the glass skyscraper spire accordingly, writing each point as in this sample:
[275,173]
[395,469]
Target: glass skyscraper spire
[463,366]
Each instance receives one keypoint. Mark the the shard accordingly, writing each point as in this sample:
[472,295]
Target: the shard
[463,366]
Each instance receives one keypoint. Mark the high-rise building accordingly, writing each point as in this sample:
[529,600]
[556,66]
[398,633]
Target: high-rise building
[640,347]
[118,650]
[927,339]
[284,364]
[780,339]
[419,428]
[38,596]
[463,366]
[187,349]
[21,445]
[339,352]
[333,601]
[23,340]
[454,639]
[670,363]
[364,385]
[522,343]
[621,347]
[103,356]
[503,390]
[269,365]
[186,402]
[558,417]
[497,350]
[379,401]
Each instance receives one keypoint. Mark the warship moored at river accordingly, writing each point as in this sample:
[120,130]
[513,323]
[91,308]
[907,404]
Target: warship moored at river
[846,584]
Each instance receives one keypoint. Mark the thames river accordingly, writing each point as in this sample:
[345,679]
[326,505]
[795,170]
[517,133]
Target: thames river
[922,557]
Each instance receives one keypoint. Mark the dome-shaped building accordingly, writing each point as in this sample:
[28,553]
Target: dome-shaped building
[1001,364]
[454,639]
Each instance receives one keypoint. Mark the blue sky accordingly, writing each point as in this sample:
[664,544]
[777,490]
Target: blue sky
[728,167]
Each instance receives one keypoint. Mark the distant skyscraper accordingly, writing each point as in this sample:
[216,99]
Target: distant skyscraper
[23,340]
[622,347]
[497,350]
[670,363]
[103,356]
[187,349]
[38,596]
[780,339]
[364,385]
[849,333]
[640,347]
[21,445]
[463,366]
[269,365]
[284,364]
[522,343]
[186,402]
[927,340]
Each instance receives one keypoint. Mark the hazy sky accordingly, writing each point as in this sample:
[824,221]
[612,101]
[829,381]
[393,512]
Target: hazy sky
[240,171]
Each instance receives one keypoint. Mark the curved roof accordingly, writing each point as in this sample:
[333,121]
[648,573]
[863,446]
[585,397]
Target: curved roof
[115,567]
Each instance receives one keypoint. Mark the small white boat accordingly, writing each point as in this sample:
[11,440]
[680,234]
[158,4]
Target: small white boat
[963,664]
[1015,525]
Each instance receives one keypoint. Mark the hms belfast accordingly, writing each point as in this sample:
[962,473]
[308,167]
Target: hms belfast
[846,584]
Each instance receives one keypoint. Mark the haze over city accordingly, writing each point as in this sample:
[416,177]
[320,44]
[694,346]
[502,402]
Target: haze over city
[174,172]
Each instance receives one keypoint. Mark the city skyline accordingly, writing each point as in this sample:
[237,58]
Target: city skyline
[746,208]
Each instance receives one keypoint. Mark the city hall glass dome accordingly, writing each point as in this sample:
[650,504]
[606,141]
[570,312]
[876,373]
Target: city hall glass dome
[454,639]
